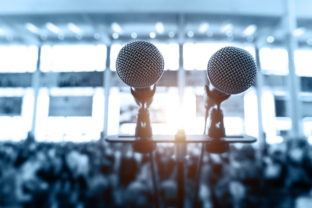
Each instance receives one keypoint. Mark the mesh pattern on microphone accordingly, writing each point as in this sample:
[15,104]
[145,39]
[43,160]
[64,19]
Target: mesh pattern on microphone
[139,64]
[231,70]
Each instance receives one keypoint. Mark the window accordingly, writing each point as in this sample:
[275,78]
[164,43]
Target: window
[73,58]
[197,55]
[52,125]
[115,48]
[303,62]
[16,120]
[274,61]
[18,58]
[170,53]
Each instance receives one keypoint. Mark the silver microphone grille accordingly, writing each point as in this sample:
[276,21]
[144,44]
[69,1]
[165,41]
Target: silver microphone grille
[231,70]
[139,64]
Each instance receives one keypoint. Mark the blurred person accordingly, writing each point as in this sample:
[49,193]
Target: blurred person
[30,189]
[7,179]
[298,181]
[246,173]
[137,195]
[168,192]
[128,170]
[218,181]
[165,162]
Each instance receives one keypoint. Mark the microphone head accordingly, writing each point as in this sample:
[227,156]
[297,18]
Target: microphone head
[139,64]
[231,70]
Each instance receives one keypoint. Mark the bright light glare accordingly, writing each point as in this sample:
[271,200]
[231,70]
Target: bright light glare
[182,116]
[116,27]
[159,27]
[250,30]
[152,35]
[298,32]
[203,27]
[173,113]
[270,39]
[227,28]
[74,28]
[53,28]
[115,36]
[31,27]
[134,35]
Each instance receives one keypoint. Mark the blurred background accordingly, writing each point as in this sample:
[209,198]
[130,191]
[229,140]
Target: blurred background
[60,96]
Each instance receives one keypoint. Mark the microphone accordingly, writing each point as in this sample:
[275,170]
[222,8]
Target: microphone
[140,65]
[230,70]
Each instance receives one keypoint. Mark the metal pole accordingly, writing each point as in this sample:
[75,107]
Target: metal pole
[293,79]
[198,174]
[259,86]
[181,75]
[154,179]
[180,178]
[180,148]
[180,156]
[107,79]
[181,72]
[36,86]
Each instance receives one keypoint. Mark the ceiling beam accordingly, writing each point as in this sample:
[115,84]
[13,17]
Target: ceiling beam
[242,7]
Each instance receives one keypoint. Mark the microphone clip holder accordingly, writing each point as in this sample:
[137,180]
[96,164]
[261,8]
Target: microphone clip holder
[216,129]
[143,98]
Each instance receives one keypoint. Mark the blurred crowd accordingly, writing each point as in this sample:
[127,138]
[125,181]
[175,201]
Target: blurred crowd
[98,174]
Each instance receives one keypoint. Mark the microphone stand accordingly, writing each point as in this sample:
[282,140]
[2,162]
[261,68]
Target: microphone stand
[180,146]
[143,131]
[216,131]
[215,140]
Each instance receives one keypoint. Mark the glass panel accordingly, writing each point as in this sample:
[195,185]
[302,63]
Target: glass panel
[70,128]
[170,53]
[18,58]
[197,55]
[17,125]
[115,48]
[274,61]
[303,62]
[72,58]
